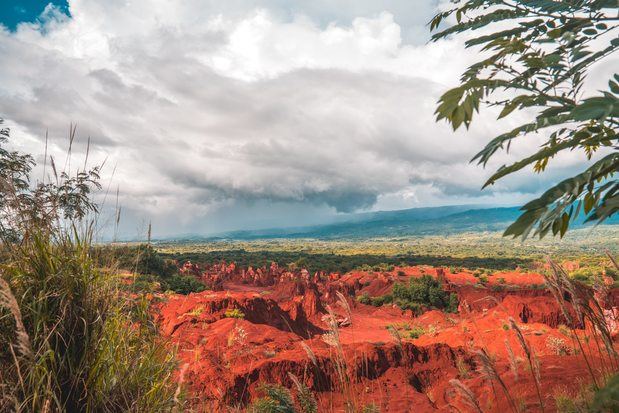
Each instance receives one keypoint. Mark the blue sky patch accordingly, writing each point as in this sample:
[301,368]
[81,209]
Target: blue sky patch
[13,12]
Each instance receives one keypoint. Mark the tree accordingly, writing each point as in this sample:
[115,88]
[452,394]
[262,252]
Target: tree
[537,54]
[24,205]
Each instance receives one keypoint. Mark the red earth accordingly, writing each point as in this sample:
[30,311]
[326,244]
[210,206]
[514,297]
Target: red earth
[264,325]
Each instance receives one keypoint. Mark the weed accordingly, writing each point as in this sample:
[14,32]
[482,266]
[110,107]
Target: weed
[416,332]
[370,408]
[463,368]
[234,313]
[196,312]
[558,346]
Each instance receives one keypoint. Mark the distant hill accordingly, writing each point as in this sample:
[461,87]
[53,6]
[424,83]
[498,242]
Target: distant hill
[446,220]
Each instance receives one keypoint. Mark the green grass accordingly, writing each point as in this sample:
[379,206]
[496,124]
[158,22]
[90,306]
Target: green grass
[70,340]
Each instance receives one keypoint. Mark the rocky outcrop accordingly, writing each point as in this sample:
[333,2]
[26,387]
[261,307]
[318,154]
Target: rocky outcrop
[268,323]
[208,307]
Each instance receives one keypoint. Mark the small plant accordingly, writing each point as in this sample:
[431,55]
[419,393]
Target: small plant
[234,313]
[276,399]
[305,397]
[370,408]
[364,299]
[558,346]
[196,311]
[416,332]
[237,336]
[563,329]
[463,368]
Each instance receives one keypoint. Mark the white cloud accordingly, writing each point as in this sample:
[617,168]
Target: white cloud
[231,107]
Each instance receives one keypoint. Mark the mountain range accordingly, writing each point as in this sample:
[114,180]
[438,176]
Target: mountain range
[445,220]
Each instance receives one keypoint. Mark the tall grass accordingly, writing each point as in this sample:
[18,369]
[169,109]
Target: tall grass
[591,334]
[69,341]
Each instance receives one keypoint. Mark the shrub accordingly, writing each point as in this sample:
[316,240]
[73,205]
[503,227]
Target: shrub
[234,313]
[70,340]
[144,284]
[424,292]
[375,301]
[558,346]
[74,350]
[183,284]
[276,399]
[416,332]
[364,299]
[381,300]
[371,408]
[420,294]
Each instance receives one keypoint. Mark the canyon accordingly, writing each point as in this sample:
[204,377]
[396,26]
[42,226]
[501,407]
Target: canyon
[285,326]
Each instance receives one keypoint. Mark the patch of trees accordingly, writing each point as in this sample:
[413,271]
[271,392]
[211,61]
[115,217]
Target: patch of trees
[343,263]
[419,295]
[153,271]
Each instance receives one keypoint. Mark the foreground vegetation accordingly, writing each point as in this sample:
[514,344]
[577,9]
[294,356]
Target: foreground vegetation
[70,339]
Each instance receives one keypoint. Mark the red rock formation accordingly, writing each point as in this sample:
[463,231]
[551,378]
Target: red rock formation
[258,330]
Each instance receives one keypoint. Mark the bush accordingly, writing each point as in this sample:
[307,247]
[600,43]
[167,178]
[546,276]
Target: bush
[276,399]
[416,332]
[419,295]
[423,293]
[364,299]
[70,340]
[234,313]
[375,301]
[183,284]
[144,284]
[79,345]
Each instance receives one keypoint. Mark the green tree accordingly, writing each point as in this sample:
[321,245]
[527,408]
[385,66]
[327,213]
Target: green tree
[536,56]
[24,204]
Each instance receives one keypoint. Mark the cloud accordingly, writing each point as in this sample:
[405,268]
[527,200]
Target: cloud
[224,106]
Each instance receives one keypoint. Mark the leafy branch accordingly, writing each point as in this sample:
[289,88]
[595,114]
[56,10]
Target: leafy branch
[538,56]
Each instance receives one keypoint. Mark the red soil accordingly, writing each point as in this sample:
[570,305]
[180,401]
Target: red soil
[285,330]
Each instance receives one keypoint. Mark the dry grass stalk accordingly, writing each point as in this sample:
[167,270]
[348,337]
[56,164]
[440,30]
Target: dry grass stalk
[467,395]
[489,370]
[310,353]
[8,301]
[589,312]
[181,379]
[532,360]
[344,304]
[396,337]
[341,367]
[513,362]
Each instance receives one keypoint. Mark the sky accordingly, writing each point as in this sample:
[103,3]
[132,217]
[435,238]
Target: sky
[222,115]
